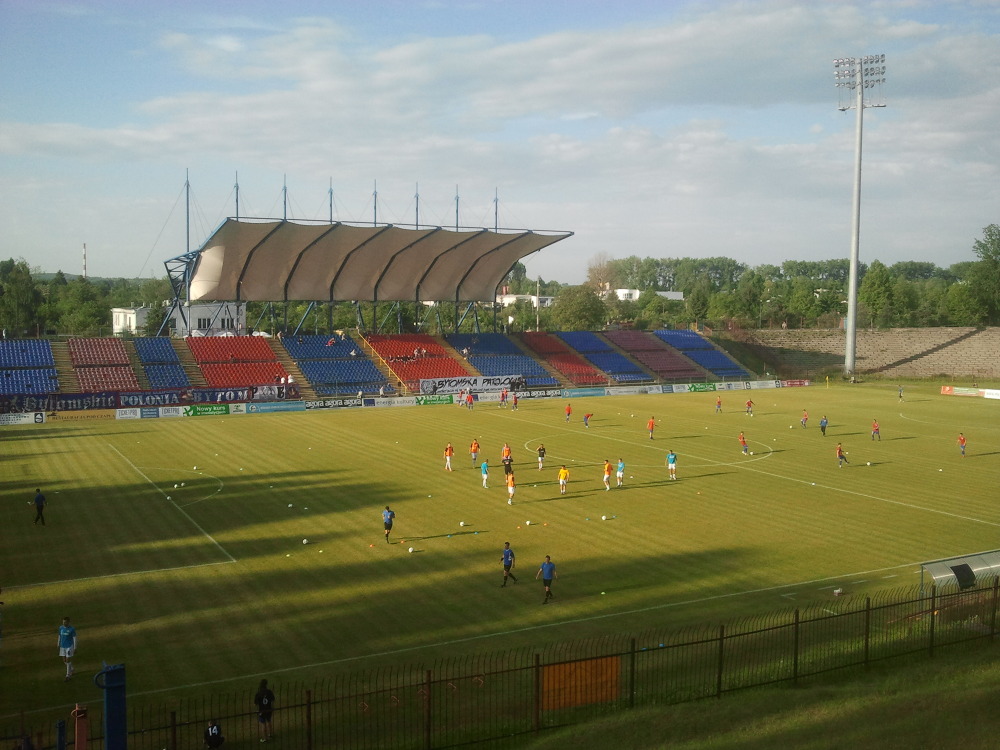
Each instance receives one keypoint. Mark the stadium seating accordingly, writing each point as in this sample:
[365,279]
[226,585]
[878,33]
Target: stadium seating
[702,351]
[27,381]
[88,352]
[585,341]
[242,374]
[513,364]
[483,344]
[156,351]
[26,353]
[231,349]
[335,365]
[166,376]
[94,379]
[558,354]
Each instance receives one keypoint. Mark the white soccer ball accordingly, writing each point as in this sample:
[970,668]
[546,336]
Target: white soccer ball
[461,523]
[604,518]
[305,541]
[175,486]
[751,453]
[631,415]
[289,505]
[789,427]
[182,484]
[869,463]
[527,523]
[168,496]
[196,468]
[411,549]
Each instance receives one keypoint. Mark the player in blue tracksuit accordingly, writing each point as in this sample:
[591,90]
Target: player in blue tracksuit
[507,560]
[547,572]
[387,519]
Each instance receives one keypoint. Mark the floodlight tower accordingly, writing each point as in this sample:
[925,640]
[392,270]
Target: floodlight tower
[859,81]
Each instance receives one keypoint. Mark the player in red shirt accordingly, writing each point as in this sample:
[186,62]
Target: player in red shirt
[743,442]
[875,432]
[805,418]
[750,407]
[961,443]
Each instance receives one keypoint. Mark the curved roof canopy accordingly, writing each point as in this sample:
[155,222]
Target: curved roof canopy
[266,260]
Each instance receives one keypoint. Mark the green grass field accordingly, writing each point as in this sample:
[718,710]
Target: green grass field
[207,587]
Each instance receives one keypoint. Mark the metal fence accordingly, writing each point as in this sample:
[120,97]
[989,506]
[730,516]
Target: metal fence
[492,697]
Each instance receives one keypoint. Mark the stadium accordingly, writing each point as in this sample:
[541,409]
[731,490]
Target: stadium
[213,507]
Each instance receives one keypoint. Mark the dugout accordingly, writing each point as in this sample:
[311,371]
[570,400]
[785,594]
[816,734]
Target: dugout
[967,571]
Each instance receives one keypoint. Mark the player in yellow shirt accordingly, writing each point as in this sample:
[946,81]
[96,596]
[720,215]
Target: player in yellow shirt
[510,488]
[563,479]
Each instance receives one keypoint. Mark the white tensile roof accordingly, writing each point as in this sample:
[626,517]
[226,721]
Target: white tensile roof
[272,260]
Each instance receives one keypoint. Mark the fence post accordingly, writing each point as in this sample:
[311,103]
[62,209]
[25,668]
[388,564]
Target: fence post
[173,730]
[930,644]
[868,629]
[427,710]
[309,719]
[536,718]
[718,676]
[795,655]
[631,674]
[993,614]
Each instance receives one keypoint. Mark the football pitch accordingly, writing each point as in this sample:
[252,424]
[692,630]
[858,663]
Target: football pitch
[177,545]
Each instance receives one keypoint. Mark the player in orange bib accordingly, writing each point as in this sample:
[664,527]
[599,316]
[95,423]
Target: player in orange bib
[650,426]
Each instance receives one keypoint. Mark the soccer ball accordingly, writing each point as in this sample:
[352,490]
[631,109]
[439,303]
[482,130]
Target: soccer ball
[869,463]
[789,427]
[527,523]
[411,549]
[305,541]
[751,453]
[604,518]
[461,523]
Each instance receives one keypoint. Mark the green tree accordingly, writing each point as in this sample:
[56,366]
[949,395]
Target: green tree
[698,299]
[963,307]
[578,308]
[875,294]
[20,299]
[801,303]
[984,283]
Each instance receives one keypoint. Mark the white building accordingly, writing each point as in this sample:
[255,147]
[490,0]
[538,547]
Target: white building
[198,319]
[506,300]
[631,295]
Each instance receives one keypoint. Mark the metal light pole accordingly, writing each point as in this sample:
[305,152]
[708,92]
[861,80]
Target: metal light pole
[859,82]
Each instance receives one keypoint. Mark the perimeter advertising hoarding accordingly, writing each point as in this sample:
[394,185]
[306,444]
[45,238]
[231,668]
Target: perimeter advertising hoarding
[434,386]
[333,403]
[37,417]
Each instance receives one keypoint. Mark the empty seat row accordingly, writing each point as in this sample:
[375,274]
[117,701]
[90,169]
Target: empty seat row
[313,346]
[613,363]
[238,374]
[166,376]
[26,353]
[97,352]
[341,371]
[683,339]
[585,341]
[634,341]
[22,381]
[513,364]
[482,343]
[112,378]
[230,349]
[156,350]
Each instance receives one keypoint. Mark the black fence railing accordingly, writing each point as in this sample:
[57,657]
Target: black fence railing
[491,697]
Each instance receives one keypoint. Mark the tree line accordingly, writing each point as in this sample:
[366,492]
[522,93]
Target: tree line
[796,294]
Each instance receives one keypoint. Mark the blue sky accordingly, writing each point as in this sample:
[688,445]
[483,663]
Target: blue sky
[658,129]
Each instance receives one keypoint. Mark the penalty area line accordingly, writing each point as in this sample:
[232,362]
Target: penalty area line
[123,574]
[180,510]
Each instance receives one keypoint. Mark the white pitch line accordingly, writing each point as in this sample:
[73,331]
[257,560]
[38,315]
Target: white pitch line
[117,575]
[180,510]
